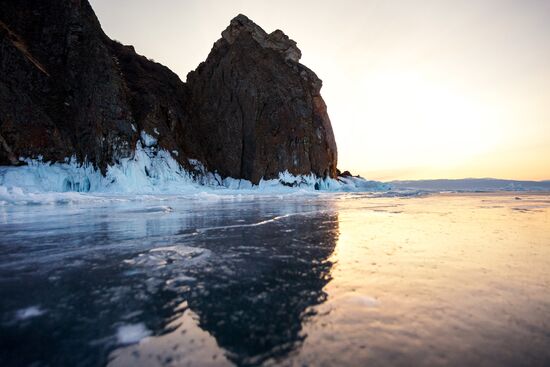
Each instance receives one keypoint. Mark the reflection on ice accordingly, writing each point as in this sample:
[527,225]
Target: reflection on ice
[186,342]
[256,297]
[178,256]
[120,274]
[295,280]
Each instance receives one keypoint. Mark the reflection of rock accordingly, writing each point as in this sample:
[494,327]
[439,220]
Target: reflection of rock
[230,278]
[199,346]
[245,303]
[255,305]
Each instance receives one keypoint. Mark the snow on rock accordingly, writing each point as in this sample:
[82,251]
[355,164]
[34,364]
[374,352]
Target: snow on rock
[147,139]
[149,171]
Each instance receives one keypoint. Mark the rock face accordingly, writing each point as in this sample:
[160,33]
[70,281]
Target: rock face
[258,110]
[67,89]
[249,111]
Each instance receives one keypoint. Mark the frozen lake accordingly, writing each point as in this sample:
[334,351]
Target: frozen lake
[329,279]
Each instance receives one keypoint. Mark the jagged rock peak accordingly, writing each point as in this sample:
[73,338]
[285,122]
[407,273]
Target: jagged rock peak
[277,40]
[259,111]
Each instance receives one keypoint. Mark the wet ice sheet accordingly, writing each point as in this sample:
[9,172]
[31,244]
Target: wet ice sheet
[336,280]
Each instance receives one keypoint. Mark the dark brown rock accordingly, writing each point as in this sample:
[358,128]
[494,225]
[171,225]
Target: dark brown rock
[249,111]
[61,92]
[257,109]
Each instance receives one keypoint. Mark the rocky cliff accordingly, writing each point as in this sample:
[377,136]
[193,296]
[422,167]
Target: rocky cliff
[251,110]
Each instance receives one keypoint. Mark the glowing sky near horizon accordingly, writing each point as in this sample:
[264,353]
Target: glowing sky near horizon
[415,89]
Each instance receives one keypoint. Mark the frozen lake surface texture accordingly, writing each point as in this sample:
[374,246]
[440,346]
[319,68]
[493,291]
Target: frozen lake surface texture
[292,280]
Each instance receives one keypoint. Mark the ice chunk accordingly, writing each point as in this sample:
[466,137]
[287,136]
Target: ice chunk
[147,139]
[78,184]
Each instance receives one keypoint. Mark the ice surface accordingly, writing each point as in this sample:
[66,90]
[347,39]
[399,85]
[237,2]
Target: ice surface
[336,280]
[179,255]
[133,333]
[362,301]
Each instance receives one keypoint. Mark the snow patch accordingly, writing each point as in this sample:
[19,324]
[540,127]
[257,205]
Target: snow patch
[132,333]
[29,312]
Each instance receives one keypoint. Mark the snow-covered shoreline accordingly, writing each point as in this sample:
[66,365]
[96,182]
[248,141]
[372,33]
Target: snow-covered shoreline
[150,171]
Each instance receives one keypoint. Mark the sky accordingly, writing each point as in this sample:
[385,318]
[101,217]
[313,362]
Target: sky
[415,88]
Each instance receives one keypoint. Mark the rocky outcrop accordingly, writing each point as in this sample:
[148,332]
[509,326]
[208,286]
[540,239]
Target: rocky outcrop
[251,110]
[257,109]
